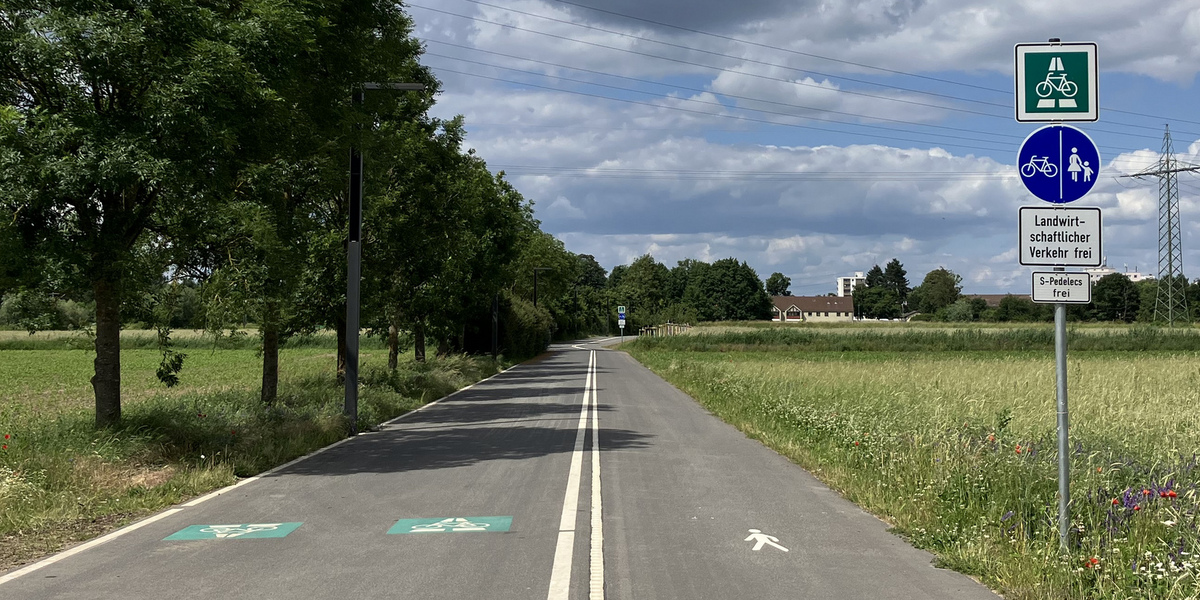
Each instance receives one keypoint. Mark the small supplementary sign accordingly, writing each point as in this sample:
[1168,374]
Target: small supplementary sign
[761,539]
[1059,237]
[1050,287]
[239,531]
[451,525]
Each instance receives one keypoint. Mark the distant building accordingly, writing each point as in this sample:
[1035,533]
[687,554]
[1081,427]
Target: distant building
[1104,269]
[846,285]
[815,309]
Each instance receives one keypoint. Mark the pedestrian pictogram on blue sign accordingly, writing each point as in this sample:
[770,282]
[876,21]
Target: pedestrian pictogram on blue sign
[1058,163]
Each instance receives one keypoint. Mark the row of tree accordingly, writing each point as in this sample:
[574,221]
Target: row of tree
[188,165]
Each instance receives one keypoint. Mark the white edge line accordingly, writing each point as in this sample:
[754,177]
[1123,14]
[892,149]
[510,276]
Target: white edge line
[170,511]
[87,545]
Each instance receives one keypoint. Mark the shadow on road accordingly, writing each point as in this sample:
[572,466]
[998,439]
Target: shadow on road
[531,412]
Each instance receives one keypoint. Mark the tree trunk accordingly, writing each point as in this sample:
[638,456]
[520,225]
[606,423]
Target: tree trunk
[270,350]
[341,350]
[393,347]
[106,383]
[419,342]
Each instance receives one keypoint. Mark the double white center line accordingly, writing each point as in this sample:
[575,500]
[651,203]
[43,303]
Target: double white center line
[560,574]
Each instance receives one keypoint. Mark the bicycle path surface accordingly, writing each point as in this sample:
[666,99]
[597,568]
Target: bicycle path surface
[578,475]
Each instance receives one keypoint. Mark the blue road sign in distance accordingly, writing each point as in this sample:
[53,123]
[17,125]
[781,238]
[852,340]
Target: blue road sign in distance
[1058,163]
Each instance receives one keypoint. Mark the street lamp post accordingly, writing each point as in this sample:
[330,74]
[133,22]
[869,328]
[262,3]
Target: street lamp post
[354,258]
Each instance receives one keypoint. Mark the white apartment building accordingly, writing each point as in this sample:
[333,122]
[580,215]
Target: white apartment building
[846,285]
[1104,269]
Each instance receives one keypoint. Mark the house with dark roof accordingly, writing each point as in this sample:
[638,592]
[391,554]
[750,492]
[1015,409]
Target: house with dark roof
[812,309]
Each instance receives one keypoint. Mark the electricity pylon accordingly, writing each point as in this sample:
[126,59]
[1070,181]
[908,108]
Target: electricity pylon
[1170,304]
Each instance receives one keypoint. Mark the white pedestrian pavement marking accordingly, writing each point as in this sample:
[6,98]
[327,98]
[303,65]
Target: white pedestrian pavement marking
[761,539]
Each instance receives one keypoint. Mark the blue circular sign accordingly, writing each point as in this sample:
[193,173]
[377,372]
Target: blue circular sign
[1058,163]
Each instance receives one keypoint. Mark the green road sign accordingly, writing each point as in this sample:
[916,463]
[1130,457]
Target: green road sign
[452,525]
[240,531]
[1057,82]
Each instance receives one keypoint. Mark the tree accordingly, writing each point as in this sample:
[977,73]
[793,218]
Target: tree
[876,302]
[940,289]
[591,274]
[960,310]
[643,289]
[680,276]
[895,278]
[875,277]
[113,121]
[777,285]
[1115,298]
[728,290]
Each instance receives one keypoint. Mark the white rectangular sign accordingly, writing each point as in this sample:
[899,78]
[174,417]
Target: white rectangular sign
[1059,237]
[1060,286]
[621,323]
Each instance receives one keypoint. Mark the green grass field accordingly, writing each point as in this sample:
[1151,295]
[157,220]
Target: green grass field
[62,481]
[951,439]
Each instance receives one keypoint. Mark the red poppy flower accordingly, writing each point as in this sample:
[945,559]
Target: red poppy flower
[1018,448]
[4,447]
[991,438]
[1137,507]
[1116,501]
[1098,469]
[1171,493]
[1145,492]
[855,443]
[232,432]
[6,436]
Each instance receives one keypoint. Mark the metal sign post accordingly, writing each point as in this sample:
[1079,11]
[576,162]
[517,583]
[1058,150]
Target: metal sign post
[621,321]
[1057,82]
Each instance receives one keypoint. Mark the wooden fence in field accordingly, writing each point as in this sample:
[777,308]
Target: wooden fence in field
[664,329]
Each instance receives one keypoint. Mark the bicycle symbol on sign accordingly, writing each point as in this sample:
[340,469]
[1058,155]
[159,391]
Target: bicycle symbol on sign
[1056,83]
[1042,165]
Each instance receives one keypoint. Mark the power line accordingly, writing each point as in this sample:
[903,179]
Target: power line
[755,75]
[727,116]
[740,58]
[852,63]
[746,108]
[708,114]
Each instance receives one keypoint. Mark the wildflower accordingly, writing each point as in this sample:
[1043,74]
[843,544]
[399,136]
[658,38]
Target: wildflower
[1018,448]
[1006,516]
[6,436]
[855,443]
[1098,470]
[1169,523]
[1137,507]
[991,437]
[1145,492]
[4,447]
[1171,493]
[1116,501]
[232,432]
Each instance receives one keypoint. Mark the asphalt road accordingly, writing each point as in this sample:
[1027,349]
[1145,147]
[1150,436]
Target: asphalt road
[493,493]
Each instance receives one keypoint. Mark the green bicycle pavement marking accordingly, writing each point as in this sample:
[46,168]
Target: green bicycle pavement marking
[241,531]
[451,525]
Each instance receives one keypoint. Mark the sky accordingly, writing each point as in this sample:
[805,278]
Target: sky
[812,138]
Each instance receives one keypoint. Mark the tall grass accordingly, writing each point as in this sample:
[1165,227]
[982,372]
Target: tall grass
[61,480]
[1135,339]
[957,450]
